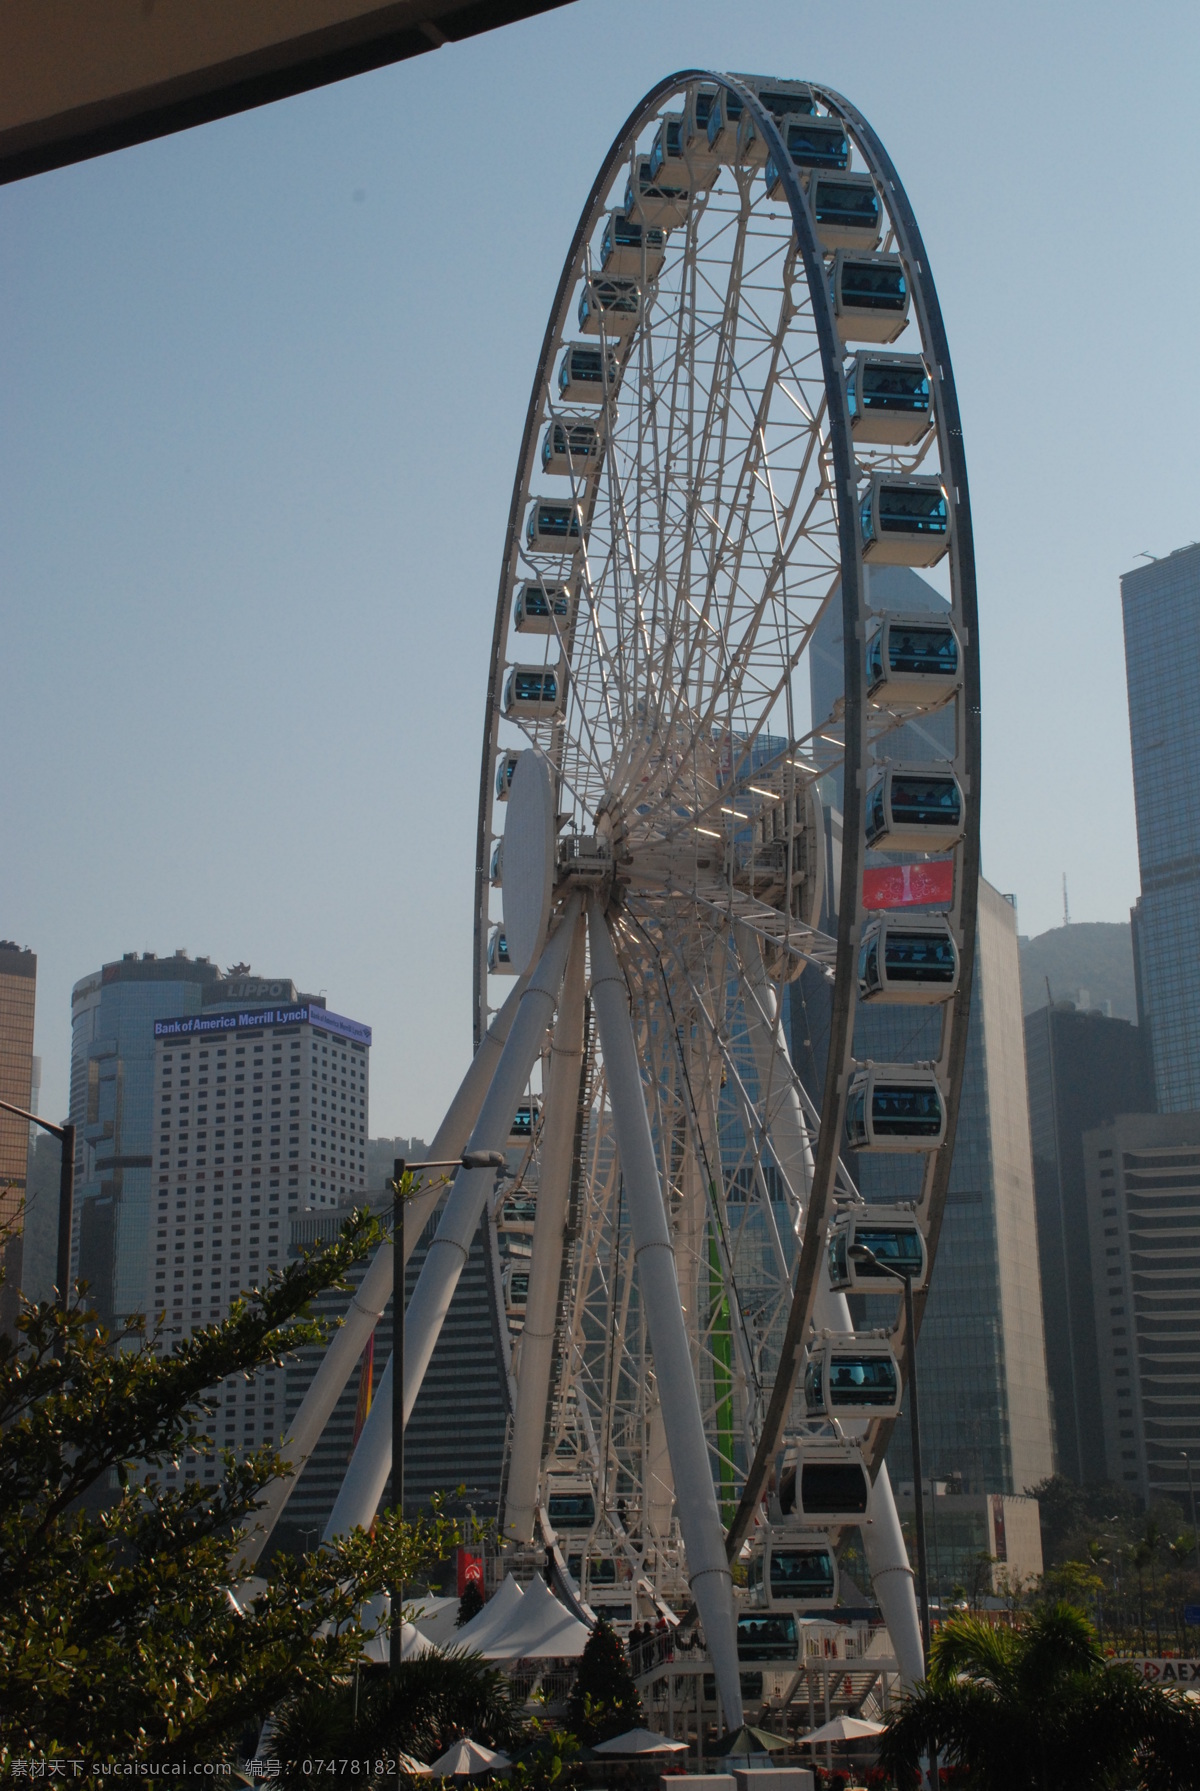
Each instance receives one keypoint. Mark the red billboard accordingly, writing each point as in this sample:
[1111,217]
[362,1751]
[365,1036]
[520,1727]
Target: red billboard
[909,885]
[470,1570]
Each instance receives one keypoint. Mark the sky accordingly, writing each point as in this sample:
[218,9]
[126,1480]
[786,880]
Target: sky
[263,386]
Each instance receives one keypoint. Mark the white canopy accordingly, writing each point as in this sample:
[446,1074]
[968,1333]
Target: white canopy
[436,1618]
[496,1613]
[842,1728]
[412,1645]
[640,1741]
[539,1629]
[466,1758]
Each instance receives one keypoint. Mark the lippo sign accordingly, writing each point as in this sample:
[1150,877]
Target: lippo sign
[210,1025]
[1162,1672]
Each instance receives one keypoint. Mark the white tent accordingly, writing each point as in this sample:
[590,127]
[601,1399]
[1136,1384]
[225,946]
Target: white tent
[465,1758]
[495,1615]
[540,1629]
[412,1645]
[842,1728]
[436,1618]
[640,1741]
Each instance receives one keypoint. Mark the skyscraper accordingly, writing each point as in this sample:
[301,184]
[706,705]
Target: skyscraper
[981,1356]
[1160,605]
[18,987]
[985,1406]
[1143,1194]
[112,1105]
[262,1115]
[1083,1070]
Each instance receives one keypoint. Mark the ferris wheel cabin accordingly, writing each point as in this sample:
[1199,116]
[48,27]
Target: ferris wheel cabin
[889,398]
[811,143]
[828,1484]
[851,1377]
[846,211]
[895,1107]
[631,250]
[904,521]
[496,869]
[870,296]
[570,447]
[583,376]
[657,205]
[542,609]
[610,307]
[702,164]
[908,961]
[554,527]
[570,1505]
[534,692]
[506,764]
[795,1568]
[499,961]
[722,126]
[893,1237]
[912,660]
[914,809]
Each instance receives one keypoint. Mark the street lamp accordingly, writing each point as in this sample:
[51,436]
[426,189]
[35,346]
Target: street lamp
[470,1159]
[66,1190]
[863,1253]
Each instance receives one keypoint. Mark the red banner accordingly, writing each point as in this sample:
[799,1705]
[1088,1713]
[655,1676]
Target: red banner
[470,1570]
[909,885]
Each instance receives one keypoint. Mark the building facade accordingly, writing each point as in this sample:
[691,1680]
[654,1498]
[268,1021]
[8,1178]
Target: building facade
[1143,1198]
[18,990]
[262,1110]
[985,1406]
[112,1106]
[1160,605]
[983,1545]
[1083,1069]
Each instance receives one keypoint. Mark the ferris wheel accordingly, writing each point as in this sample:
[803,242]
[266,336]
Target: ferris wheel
[742,409]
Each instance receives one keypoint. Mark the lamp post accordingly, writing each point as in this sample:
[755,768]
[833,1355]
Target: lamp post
[470,1159]
[863,1253]
[66,1190]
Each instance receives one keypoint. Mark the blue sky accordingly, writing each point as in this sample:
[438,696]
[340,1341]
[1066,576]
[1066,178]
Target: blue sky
[263,389]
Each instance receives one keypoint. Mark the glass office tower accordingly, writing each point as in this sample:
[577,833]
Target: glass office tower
[985,1408]
[1160,605]
[112,1106]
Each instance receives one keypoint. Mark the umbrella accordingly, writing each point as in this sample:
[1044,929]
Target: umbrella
[466,1758]
[748,1740]
[414,1768]
[843,1728]
[640,1741]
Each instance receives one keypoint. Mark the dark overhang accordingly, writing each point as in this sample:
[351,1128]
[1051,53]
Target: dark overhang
[79,78]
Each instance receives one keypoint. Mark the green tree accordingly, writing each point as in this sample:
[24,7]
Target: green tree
[368,1716]
[1035,1709]
[604,1700]
[119,1637]
[470,1604]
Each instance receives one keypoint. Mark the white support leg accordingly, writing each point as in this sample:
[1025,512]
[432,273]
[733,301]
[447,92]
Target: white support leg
[699,1518]
[883,1539]
[459,1222]
[368,1305]
[560,1107]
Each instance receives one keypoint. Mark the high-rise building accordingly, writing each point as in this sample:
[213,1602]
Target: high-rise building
[112,1106]
[1083,1070]
[985,1407]
[1160,605]
[262,1114]
[18,987]
[1143,1197]
[981,1356]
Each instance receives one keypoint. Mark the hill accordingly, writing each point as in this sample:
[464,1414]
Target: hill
[1093,956]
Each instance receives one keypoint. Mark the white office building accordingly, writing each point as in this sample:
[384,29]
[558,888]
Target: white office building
[262,1108]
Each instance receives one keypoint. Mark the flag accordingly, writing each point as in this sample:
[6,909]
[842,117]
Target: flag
[366,1387]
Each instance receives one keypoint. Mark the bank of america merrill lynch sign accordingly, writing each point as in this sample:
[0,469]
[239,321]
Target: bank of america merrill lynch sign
[251,1018]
